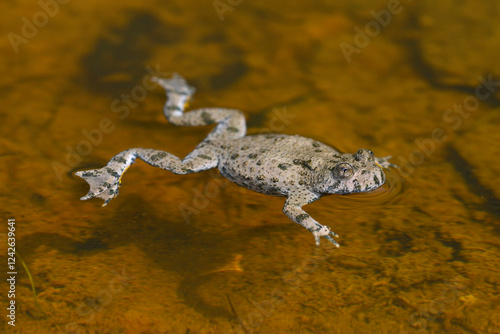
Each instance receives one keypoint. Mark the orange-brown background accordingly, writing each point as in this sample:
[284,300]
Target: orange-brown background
[424,259]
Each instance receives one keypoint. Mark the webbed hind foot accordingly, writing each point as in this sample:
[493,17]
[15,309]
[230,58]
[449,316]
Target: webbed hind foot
[176,84]
[104,183]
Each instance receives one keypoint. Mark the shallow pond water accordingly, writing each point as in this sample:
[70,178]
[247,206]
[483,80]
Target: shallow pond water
[197,254]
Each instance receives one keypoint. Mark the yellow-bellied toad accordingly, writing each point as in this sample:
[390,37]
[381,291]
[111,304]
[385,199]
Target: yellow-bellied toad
[298,168]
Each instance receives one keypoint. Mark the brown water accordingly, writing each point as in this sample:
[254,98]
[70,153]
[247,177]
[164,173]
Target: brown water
[420,255]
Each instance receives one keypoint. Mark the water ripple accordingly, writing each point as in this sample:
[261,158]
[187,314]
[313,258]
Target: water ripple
[386,194]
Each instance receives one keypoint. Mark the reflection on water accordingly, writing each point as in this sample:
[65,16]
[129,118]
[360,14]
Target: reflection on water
[418,255]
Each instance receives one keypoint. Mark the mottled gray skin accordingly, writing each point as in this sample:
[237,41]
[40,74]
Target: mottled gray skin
[298,168]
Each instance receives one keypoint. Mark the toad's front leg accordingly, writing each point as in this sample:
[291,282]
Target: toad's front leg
[293,210]
[384,162]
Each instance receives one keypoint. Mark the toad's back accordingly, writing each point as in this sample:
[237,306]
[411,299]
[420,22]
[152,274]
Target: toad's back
[272,164]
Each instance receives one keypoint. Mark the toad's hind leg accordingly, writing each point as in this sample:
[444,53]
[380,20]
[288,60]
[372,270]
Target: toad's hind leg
[104,182]
[230,122]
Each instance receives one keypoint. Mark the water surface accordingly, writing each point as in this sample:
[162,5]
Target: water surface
[196,254]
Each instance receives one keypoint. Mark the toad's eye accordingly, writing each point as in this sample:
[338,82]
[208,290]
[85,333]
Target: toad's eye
[344,170]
